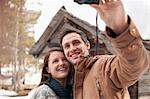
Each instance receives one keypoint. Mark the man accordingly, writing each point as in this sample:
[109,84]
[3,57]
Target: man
[108,76]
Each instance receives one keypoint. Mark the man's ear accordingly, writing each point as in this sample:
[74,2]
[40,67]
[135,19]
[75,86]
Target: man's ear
[88,44]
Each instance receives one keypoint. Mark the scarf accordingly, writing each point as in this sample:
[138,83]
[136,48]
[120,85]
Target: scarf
[81,69]
[63,93]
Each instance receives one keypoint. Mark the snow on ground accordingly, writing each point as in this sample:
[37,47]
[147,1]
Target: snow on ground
[5,94]
[6,97]
[30,79]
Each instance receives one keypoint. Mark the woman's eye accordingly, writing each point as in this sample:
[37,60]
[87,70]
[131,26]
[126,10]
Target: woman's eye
[55,61]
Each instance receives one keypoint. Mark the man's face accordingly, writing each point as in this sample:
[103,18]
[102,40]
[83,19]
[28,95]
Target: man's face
[74,47]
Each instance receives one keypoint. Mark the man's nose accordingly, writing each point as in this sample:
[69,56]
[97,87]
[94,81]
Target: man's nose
[72,47]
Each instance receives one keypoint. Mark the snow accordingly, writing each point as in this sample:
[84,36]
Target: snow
[6,97]
[5,94]
[32,78]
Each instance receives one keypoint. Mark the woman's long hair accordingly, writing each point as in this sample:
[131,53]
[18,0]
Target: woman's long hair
[45,75]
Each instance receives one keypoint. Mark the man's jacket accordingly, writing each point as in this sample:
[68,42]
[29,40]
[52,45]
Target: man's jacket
[111,75]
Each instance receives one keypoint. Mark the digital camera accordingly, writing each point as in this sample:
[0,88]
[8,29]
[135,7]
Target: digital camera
[87,1]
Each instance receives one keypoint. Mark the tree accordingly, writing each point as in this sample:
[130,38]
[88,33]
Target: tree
[15,43]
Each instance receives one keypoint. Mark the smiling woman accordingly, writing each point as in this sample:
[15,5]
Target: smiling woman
[55,76]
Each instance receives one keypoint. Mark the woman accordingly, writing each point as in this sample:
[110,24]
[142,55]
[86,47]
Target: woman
[55,83]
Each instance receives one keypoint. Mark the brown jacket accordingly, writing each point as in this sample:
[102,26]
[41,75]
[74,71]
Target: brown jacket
[111,75]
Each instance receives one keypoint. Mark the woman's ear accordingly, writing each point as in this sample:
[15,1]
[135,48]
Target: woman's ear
[47,69]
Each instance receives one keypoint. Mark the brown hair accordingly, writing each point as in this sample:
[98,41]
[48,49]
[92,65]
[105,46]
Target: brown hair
[45,75]
[67,31]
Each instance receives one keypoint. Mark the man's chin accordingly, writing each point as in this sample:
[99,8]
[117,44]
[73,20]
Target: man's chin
[74,61]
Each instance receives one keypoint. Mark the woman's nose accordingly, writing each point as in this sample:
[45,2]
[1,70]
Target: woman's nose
[61,62]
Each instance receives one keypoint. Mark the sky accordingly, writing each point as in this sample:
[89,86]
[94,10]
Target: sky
[139,10]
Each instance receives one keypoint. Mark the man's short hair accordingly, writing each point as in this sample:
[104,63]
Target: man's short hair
[67,31]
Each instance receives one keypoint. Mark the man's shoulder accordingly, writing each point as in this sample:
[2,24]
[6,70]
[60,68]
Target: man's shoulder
[101,58]
[103,61]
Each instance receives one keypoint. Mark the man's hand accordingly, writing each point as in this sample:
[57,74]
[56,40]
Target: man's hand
[113,14]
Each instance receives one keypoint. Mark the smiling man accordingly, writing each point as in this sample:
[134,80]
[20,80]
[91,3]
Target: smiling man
[108,76]
[75,47]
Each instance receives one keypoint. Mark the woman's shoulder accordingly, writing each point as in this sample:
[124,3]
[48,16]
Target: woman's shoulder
[43,88]
[42,91]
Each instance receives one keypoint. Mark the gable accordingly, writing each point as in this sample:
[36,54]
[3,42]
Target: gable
[60,22]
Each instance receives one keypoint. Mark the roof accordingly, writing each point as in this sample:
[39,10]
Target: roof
[61,21]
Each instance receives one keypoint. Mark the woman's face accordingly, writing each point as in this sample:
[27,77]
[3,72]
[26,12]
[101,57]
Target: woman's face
[58,66]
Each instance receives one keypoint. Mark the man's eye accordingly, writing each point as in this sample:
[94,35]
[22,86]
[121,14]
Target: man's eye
[64,59]
[66,46]
[76,43]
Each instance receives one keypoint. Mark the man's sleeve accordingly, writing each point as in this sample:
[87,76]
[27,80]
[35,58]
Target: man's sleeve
[132,58]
